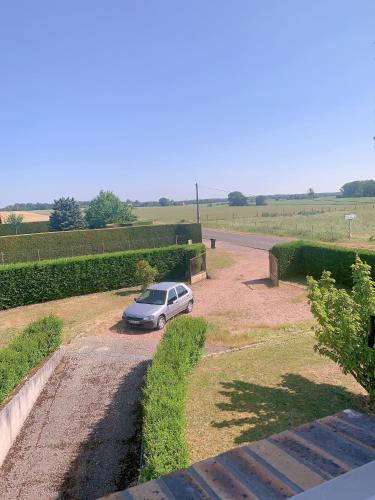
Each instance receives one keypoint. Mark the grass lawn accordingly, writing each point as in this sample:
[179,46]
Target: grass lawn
[80,314]
[247,395]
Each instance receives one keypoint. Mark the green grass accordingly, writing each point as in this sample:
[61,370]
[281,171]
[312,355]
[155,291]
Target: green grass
[319,219]
[81,315]
[247,395]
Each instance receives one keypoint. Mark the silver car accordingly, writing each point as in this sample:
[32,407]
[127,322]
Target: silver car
[159,303]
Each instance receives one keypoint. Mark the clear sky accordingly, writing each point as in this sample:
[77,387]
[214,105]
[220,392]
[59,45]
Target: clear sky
[144,97]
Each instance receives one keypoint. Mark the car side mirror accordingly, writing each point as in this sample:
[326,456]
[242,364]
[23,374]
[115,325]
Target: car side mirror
[171,301]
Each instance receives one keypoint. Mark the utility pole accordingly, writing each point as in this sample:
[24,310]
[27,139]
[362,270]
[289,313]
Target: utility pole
[197,200]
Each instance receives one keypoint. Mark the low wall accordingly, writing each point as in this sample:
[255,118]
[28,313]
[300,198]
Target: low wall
[14,413]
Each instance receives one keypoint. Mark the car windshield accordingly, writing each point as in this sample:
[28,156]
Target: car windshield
[155,297]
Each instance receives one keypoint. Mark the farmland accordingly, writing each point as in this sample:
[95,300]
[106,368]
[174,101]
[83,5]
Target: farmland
[318,219]
[37,216]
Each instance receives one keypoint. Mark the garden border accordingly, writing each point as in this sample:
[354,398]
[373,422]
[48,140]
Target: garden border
[14,413]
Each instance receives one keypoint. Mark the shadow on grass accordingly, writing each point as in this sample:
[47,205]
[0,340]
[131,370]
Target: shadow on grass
[295,401]
[127,292]
[109,458]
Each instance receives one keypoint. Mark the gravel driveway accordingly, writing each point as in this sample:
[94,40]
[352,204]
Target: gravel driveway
[77,441]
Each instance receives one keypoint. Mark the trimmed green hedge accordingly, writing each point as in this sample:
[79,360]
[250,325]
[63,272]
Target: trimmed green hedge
[34,282]
[164,420]
[24,228]
[53,245]
[30,348]
[304,258]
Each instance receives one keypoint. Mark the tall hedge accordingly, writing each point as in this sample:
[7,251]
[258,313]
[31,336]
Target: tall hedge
[24,248]
[307,258]
[164,420]
[34,344]
[25,228]
[33,282]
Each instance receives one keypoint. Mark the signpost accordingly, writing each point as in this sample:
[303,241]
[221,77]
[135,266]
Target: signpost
[350,218]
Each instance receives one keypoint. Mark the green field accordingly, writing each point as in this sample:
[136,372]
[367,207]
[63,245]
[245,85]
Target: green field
[319,219]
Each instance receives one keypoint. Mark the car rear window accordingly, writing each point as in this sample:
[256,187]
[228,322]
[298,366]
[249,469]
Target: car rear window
[181,291]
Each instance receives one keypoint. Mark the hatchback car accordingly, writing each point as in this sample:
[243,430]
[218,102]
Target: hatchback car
[159,303]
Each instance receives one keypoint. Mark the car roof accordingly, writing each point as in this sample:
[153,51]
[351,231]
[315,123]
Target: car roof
[165,285]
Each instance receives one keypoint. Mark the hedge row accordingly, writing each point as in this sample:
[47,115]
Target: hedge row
[34,282]
[307,258]
[23,248]
[164,418]
[24,228]
[30,348]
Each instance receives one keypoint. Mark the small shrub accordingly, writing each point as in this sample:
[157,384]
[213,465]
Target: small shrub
[164,423]
[145,274]
[344,321]
[34,344]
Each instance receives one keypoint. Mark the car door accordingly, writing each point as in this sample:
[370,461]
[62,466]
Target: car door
[172,305]
[183,297]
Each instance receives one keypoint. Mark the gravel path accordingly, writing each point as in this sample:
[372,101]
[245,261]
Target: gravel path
[77,442]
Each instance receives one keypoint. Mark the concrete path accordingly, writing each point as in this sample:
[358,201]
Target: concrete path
[259,241]
[77,441]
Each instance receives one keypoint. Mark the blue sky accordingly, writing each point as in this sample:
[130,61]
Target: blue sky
[146,97]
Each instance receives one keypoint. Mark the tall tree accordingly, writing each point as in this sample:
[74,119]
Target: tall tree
[164,202]
[237,199]
[15,221]
[66,215]
[311,193]
[106,209]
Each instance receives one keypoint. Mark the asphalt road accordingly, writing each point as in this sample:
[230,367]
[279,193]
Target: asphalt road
[260,241]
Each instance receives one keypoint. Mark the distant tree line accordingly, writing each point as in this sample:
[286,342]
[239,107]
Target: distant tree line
[360,189]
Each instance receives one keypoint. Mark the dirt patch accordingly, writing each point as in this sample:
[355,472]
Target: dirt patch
[240,299]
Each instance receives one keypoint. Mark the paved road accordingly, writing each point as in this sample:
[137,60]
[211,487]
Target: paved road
[263,242]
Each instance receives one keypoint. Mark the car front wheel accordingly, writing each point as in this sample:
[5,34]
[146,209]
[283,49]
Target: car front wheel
[161,323]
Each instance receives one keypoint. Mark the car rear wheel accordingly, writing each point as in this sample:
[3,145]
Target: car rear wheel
[189,306]
[161,323]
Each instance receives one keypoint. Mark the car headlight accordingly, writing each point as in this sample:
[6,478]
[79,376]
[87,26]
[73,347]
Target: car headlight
[148,318]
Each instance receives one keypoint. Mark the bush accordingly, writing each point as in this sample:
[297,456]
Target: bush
[24,228]
[145,274]
[260,200]
[30,348]
[343,327]
[306,258]
[164,422]
[34,282]
[90,241]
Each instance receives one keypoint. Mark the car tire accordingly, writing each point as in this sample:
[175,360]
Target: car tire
[161,322]
[189,307]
